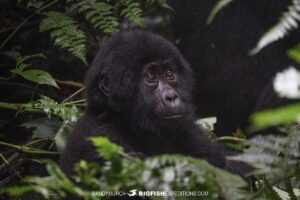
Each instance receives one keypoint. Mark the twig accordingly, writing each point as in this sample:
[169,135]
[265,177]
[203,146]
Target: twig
[74,94]
[30,150]
[10,106]
[70,83]
[36,141]
[17,107]
[4,159]
[14,156]
[230,138]
[74,102]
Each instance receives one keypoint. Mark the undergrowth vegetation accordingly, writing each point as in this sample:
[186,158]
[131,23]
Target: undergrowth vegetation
[44,48]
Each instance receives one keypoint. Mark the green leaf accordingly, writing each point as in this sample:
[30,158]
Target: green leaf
[43,128]
[100,14]
[289,21]
[219,6]
[131,10]
[281,116]
[294,53]
[66,33]
[16,191]
[37,76]
[105,148]
[269,191]
[20,68]
[21,59]
[207,123]
[51,107]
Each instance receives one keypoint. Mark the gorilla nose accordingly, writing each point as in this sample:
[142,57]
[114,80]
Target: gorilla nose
[171,99]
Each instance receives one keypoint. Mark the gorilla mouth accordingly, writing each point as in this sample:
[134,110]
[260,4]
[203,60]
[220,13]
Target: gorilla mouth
[172,116]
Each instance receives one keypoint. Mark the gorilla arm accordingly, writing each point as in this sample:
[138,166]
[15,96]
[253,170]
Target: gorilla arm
[197,144]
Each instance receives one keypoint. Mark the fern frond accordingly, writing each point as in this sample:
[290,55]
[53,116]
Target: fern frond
[286,24]
[270,191]
[290,190]
[196,173]
[219,6]
[99,14]
[66,33]
[277,158]
[131,10]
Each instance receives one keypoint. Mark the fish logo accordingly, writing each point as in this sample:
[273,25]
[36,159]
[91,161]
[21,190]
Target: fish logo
[132,193]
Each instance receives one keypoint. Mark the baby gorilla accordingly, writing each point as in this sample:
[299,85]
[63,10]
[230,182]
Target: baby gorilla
[139,96]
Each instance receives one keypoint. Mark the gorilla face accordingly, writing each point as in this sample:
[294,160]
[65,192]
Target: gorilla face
[162,100]
[142,81]
[160,81]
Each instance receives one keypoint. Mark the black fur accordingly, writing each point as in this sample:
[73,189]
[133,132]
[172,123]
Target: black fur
[230,84]
[126,116]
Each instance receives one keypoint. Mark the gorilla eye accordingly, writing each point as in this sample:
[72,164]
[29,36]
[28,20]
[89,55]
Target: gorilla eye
[150,76]
[169,73]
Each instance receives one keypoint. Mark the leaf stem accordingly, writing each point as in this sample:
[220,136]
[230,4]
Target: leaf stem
[74,94]
[70,83]
[30,150]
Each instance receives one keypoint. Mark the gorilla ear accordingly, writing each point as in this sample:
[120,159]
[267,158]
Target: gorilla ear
[103,85]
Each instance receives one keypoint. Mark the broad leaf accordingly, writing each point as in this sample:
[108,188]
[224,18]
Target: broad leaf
[43,128]
[37,76]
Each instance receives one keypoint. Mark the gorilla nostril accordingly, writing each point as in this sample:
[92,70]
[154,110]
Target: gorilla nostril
[171,100]
[171,97]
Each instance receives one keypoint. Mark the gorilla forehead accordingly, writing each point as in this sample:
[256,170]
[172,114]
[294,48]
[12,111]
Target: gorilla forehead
[135,48]
[126,53]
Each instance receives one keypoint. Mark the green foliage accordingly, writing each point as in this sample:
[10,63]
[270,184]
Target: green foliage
[49,187]
[42,128]
[106,149]
[286,24]
[217,8]
[265,151]
[270,191]
[276,159]
[207,123]
[281,116]
[66,33]
[131,10]
[186,173]
[290,190]
[50,108]
[294,53]
[99,14]
[286,195]
[37,76]
[160,173]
